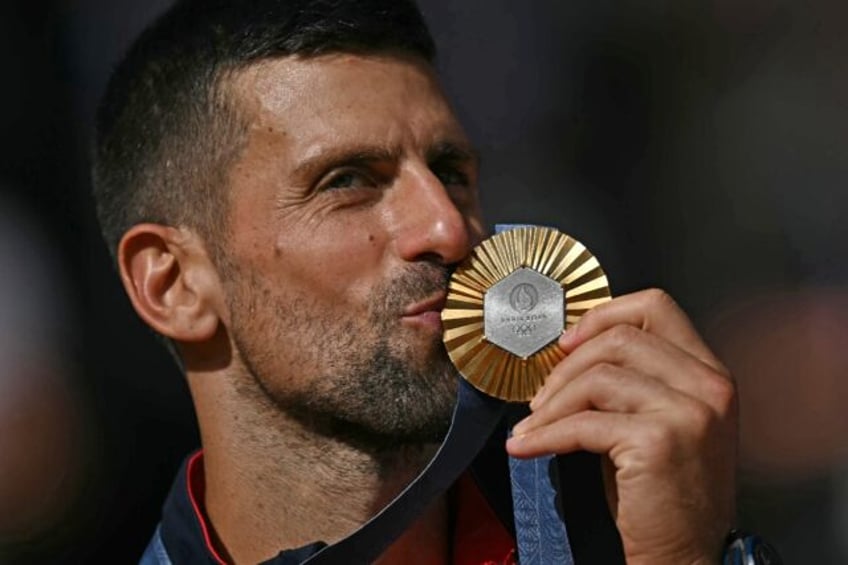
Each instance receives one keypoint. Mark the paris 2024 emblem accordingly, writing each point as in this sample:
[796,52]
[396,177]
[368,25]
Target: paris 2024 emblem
[524,312]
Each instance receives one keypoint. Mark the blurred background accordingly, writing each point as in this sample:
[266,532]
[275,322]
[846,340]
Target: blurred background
[695,146]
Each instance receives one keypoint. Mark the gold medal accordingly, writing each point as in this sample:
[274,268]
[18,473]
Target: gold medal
[509,302]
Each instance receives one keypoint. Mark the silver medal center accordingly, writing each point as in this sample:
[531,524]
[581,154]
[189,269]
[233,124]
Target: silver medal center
[524,312]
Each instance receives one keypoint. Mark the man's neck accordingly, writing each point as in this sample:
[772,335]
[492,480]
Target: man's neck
[272,484]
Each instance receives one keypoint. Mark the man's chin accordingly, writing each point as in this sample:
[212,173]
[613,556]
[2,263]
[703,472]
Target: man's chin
[422,350]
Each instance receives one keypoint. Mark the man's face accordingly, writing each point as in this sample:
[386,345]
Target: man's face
[354,196]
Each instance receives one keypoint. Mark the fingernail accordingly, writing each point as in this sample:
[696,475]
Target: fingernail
[566,340]
[521,427]
[537,400]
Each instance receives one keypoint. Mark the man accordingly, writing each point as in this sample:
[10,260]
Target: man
[286,191]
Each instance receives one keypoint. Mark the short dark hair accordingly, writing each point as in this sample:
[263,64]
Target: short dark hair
[166,131]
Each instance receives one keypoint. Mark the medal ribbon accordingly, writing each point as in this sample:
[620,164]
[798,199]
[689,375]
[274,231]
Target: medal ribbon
[540,530]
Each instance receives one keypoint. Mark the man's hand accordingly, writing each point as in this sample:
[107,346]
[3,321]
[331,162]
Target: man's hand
[639,386]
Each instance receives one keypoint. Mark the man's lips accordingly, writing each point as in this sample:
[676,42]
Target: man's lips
[427,313]
[434,303]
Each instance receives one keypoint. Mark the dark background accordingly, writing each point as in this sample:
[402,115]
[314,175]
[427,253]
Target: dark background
[698,146]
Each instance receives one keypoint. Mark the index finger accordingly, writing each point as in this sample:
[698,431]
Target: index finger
[653,311]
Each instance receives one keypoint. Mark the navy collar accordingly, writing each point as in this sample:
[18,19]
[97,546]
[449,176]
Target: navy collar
[185,534]
[188,540]
[592,532]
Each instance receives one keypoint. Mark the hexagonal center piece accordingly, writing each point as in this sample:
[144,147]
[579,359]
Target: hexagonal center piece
[524,312]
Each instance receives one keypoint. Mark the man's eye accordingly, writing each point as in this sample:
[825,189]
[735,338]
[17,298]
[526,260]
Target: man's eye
[348,179]
[452,177]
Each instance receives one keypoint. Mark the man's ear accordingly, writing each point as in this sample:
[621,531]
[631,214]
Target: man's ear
[171,281]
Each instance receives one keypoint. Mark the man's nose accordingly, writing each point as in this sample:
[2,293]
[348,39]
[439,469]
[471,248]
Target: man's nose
[430,224]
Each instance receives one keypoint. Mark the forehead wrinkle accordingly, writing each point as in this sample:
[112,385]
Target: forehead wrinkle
[281,85]
[284,84]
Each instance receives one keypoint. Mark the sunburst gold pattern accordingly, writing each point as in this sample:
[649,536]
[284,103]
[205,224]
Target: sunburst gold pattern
[549,252]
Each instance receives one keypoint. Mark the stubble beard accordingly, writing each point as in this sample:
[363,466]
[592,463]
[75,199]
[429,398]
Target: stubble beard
[373,389]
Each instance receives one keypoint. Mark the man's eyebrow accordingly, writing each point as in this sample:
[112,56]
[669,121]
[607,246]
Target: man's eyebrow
[451,151]
[344,156]
[359,155]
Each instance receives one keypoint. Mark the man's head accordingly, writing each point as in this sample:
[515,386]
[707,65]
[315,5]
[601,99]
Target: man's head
[292,218]
[167,128]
